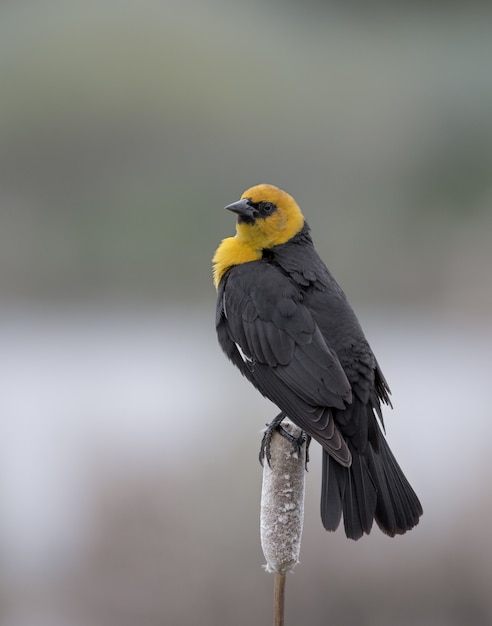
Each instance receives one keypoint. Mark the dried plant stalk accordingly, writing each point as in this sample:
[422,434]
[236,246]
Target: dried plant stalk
[279,600]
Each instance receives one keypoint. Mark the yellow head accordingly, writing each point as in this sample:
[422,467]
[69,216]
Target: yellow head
[267,217]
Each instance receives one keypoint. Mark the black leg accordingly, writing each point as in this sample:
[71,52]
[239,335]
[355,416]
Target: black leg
[267,437]
[308,443]
[276,425]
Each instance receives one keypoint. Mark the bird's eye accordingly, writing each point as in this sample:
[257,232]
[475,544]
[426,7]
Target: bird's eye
[266,208]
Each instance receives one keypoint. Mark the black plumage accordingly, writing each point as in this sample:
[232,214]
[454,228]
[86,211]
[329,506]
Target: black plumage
[284,321]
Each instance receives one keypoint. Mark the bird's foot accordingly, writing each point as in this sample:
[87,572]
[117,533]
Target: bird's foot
[308,443]
[296,442]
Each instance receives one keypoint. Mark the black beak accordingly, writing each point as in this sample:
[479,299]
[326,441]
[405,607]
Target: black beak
[244,209]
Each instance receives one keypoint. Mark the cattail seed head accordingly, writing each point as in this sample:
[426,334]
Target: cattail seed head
[282,502]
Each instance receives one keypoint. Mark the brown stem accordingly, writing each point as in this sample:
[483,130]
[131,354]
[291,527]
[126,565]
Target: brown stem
[278,599]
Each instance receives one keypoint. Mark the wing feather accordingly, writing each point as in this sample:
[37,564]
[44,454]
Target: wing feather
[288,358]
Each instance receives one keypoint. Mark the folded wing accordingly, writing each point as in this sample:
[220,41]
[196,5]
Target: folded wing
[271,335]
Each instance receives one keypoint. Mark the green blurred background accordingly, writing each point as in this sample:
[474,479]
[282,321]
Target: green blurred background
[129,483]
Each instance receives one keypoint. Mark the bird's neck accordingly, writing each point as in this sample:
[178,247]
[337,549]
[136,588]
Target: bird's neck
[233,251]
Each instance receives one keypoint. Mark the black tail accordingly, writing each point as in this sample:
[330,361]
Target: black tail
[372,488]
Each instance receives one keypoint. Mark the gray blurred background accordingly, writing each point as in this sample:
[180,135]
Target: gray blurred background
[129,481]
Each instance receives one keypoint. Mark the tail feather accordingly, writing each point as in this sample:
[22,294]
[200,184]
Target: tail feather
[361,498]
[372,488]
[332,492]
[405,505]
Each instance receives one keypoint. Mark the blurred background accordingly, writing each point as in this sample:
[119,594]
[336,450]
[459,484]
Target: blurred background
[129,481]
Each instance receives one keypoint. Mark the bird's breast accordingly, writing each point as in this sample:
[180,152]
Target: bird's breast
[231,252]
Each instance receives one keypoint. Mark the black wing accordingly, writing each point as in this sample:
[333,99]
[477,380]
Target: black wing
[266,329]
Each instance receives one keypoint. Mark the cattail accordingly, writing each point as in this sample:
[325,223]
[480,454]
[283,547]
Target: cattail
[282,510]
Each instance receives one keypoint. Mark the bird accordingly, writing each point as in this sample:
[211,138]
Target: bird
[283,320]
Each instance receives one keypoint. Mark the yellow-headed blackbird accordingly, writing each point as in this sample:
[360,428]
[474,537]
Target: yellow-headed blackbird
[284,321]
